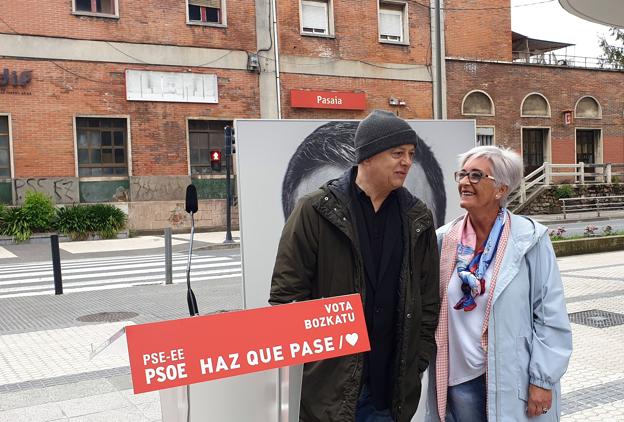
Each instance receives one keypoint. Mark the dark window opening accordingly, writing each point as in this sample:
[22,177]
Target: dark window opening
[5,156]
[106,7]
[194,13]
[533,141]
[586,142]
[206,136]
[102,145]
[208,11]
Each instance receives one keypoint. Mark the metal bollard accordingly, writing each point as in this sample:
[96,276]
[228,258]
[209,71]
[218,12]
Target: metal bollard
[56,265]
[168,259]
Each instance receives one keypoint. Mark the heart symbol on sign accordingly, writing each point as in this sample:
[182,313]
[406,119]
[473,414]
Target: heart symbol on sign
[352,338]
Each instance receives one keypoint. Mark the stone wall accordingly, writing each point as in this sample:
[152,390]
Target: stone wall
[548,203]
[156,215]
[588,245]
[158,188]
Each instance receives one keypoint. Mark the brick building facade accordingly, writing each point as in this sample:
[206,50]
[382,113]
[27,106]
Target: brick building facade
[76,131]
[352,53]
[103,112]
[590,99]
[103,102]
[555,113]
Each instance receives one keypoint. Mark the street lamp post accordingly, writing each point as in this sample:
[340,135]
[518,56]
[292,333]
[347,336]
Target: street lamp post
[229,133]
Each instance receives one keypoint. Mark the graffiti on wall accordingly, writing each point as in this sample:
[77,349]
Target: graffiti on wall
[158,188]
[62,190]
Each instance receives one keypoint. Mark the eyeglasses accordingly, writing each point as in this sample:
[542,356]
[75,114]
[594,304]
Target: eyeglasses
[474,176]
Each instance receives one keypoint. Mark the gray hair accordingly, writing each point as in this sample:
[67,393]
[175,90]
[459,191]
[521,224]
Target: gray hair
[507,166]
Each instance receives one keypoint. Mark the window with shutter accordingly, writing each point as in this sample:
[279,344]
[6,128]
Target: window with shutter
[392,22]
[314,17]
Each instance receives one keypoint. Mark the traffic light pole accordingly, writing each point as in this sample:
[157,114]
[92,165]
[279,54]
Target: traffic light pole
[228,189]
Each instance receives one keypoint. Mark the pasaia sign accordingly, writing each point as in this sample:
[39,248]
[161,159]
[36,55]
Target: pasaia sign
[197,349]
[328,99]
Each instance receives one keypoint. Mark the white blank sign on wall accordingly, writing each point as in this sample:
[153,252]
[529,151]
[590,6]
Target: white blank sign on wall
[143,85]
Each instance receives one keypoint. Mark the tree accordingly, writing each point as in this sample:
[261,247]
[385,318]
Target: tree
[613,53]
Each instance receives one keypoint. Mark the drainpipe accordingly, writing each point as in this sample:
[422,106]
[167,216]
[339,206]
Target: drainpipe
[277,63]
[439,67]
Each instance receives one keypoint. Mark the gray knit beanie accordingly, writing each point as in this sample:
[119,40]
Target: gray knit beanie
[380,131]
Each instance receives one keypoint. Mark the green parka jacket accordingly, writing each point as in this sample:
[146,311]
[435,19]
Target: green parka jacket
[319,256]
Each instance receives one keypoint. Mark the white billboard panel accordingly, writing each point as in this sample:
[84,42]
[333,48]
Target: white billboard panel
[279,161]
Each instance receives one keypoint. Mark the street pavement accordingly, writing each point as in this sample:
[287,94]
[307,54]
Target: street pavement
[109,264]
[46,373]
[575,223]
[114,272]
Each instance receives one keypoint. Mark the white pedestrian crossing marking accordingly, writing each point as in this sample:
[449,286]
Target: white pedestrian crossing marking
[5,254]
[110,273]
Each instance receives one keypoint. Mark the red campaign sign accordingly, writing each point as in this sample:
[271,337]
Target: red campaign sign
[328,99]
[197,349]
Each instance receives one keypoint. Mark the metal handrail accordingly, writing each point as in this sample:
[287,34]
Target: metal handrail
[544,175]
[596,203]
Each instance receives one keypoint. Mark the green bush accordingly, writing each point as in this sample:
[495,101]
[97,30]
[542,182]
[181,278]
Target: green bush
[39,210]
[563,191]
[74,222]
[80,221]
[107,220]
[36,215]
[17,224]
[3,211]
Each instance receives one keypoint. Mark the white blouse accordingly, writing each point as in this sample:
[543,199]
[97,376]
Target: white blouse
[466,356]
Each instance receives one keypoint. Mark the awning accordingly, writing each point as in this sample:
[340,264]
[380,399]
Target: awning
[531,46]
[605,12]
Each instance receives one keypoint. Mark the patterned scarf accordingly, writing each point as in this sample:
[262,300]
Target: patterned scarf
[471,264]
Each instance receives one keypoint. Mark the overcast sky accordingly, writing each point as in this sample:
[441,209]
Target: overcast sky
[549,21]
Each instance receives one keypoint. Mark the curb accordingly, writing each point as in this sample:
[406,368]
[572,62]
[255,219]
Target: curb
[588,245]
[579,220]
[217,246]
[39,238]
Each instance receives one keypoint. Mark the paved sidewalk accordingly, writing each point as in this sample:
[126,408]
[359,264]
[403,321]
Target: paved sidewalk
[40,250]
[46,374]
[593,387]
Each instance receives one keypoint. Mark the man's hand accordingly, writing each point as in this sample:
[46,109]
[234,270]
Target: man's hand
[540,399]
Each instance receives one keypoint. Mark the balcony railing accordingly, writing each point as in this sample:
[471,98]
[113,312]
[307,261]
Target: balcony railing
[561,59]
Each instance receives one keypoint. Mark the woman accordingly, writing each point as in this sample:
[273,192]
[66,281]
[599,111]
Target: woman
[504,339]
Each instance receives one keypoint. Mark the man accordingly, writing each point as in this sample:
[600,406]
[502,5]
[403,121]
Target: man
[365,233]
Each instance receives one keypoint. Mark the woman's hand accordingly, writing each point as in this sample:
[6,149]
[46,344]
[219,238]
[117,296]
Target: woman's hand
[540,399]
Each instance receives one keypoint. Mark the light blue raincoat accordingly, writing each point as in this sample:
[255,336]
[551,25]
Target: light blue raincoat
[529,335]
